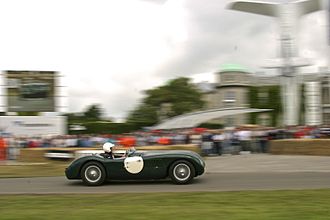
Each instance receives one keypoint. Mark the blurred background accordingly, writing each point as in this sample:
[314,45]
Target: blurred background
[239,82]
[163,72]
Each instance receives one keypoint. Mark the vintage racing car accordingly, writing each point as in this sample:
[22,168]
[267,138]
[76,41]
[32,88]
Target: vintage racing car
[180,166]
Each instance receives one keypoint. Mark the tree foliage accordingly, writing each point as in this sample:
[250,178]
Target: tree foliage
[91,120]
[180,95]
[144,115]
[272,100]
[93,112]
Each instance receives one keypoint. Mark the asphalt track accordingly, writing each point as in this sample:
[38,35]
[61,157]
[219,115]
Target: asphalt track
[222,174]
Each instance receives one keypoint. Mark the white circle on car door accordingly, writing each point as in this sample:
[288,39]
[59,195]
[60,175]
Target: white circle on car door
[133,164]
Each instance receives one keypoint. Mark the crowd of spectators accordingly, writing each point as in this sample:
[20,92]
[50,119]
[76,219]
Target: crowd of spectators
[230,140]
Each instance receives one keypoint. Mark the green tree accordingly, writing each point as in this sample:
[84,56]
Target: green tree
[180,95]
[93,112]
[272,100]
[143,115]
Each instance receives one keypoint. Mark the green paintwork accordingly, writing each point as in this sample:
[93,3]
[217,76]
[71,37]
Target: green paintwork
[156,165]
[230,67]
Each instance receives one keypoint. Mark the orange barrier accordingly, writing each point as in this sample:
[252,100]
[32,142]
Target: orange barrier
[127,141]
[164,141]
[3,147]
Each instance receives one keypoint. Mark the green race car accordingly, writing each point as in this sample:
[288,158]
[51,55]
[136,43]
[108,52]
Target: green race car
[180,166]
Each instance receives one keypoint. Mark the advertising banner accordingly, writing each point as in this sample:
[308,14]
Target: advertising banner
[33,125]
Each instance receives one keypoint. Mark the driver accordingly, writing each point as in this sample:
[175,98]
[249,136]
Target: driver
[107,147]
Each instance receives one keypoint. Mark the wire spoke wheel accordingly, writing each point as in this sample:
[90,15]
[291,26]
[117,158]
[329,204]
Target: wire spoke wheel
[93,174]
[182,172]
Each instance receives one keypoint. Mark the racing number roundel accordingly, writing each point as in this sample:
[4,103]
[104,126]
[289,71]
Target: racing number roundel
[133,164]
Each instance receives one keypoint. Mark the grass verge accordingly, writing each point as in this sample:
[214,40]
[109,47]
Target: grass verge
[33,170]
[256,205]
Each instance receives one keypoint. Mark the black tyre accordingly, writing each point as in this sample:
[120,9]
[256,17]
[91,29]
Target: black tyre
[182,172]
[93,174]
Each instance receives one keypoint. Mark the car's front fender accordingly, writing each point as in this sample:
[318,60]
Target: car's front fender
[73,170]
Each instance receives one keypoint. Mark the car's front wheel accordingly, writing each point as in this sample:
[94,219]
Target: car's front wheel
[182,172]
[93,174]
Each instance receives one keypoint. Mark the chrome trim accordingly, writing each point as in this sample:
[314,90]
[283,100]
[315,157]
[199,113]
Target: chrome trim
[93,173]
[181,172]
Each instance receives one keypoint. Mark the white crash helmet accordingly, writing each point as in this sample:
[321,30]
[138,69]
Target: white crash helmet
[107,147]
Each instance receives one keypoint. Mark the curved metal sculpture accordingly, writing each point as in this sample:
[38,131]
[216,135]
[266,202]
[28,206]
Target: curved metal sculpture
[288,15]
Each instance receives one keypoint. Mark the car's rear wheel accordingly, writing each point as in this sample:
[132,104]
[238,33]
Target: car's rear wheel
[93,174]
[182,172]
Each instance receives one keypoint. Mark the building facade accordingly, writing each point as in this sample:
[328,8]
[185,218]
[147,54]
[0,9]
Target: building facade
[230,90]
[237,87]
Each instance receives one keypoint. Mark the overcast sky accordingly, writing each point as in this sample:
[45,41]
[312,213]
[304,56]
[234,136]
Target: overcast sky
[110,51]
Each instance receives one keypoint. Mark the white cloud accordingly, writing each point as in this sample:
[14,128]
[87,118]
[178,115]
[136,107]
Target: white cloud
[110,51]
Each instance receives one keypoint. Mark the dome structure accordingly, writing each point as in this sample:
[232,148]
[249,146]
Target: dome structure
[231,67]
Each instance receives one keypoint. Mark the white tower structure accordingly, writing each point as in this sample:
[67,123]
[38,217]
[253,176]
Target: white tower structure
[313,105]
[287,15]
